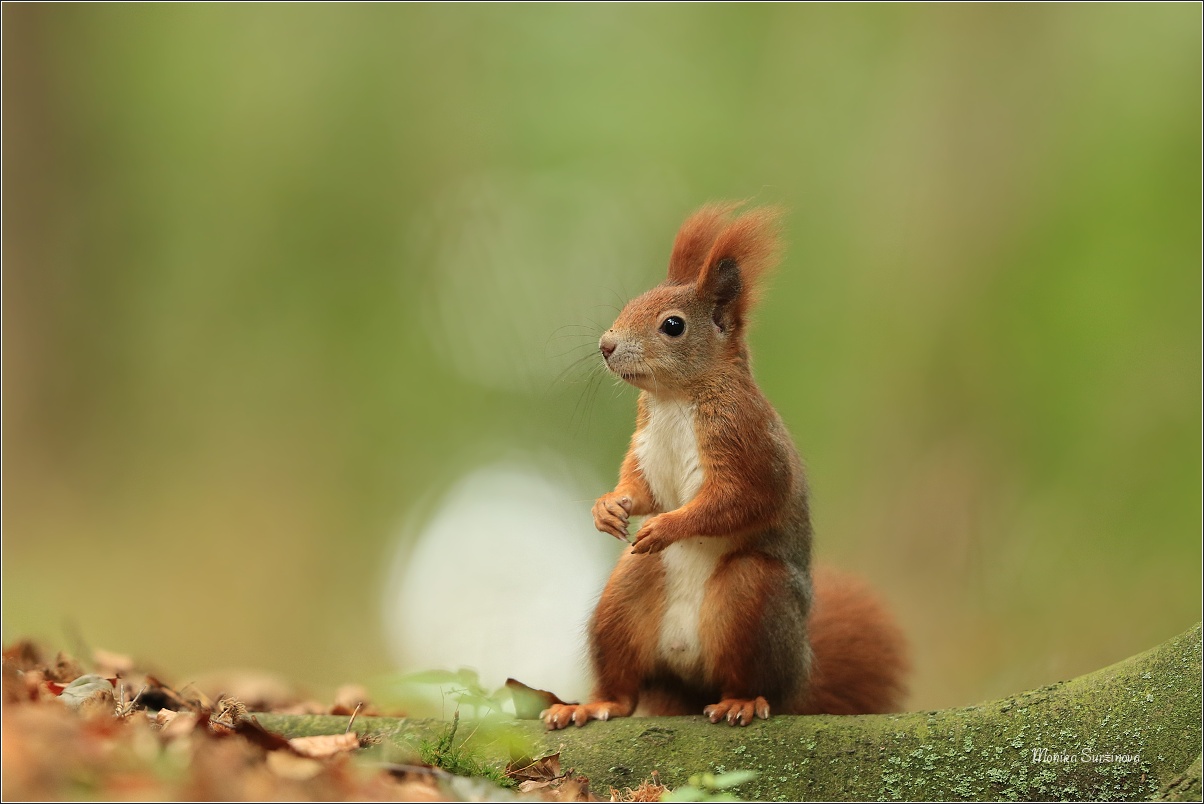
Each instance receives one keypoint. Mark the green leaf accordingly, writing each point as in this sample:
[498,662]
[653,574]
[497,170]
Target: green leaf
[726,780]
[431,677]
[685,793]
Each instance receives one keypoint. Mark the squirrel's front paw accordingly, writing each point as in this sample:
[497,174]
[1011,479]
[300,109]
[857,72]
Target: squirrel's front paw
[657,533]
[611,512]
[562,715]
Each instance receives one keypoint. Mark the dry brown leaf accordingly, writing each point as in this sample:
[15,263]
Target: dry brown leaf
[229,712]
[293,767]
[545,775]
[325,745]
[17,688]
[544,769]
[85,692]
[65,669]
[72,688]
[161,696]
[260,736]
[528,701]
[226,770]
[178,724]
[24,655]
[165,716]
[405,787]
[51,751]
[260,691]
[571,788]
[112,664]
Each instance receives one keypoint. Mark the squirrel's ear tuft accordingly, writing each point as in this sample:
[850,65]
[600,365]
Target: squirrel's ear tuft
[694,241]
[749,246]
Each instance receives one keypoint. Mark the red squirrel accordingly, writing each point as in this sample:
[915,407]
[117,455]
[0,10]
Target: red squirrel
[714,609]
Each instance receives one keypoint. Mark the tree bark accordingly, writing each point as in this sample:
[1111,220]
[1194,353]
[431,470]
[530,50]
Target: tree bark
[1128,731]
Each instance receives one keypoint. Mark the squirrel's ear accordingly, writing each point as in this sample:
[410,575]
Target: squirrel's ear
[724,290]
[694,241]
[744,250]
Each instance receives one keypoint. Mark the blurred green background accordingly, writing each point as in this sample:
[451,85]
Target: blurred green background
[276,276]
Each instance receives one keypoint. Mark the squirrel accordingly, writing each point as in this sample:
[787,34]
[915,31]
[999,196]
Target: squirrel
[714,609]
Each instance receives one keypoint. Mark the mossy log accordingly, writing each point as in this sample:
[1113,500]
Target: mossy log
[1128,731]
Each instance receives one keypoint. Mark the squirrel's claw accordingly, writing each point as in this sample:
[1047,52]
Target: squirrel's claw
[611,515]
[738,711]
[656,534]
[562,715]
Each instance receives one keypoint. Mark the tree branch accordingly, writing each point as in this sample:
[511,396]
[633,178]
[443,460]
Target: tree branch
[1128,731]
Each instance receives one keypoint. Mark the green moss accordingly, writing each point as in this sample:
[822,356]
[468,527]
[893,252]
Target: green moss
[1121,733]
[1184,787]
[459,759]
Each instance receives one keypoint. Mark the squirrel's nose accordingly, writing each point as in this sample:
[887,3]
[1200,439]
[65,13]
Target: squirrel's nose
[607,346]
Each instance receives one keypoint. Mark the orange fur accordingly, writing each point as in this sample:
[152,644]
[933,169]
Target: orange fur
[740,627]
[713,610]
[860,654]
[629,611]
[752,242]
[694,241]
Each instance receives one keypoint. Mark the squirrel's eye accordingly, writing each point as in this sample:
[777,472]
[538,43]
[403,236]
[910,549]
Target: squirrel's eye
[673,326]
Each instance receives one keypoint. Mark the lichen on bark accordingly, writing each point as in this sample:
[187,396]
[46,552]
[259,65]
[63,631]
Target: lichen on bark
[1128,731]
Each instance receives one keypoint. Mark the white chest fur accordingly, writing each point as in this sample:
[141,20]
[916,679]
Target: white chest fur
[667,451]
[688,565]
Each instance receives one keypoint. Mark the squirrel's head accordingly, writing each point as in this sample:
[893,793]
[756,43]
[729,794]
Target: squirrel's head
[692,324]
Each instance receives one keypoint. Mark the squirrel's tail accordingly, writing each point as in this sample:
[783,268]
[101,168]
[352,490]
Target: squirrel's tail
[860,654]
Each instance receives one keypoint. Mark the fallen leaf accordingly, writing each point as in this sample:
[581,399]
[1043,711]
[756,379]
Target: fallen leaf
[24,655]
[65,669]
[179,724]
[165,716]
[325,745]
[528,701]
[544,769]
[260,736]
[402,786]
[293,767]
[229,712]
[16,690]
[161,696]
[571,788]
[109,663]
[260,691]
[545,774]
[84,690]
[183,746]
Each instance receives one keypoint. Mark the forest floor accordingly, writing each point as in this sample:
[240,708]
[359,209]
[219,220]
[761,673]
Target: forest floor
[105,729]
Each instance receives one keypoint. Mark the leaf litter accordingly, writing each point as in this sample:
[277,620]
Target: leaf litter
[121,733]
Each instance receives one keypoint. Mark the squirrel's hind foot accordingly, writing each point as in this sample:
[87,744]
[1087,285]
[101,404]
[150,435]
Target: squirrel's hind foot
[738,711]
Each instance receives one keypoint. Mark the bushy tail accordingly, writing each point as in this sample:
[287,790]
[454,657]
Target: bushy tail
[860,654]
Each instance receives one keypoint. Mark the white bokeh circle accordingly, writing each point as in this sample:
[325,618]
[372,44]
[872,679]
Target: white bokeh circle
[501,578]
